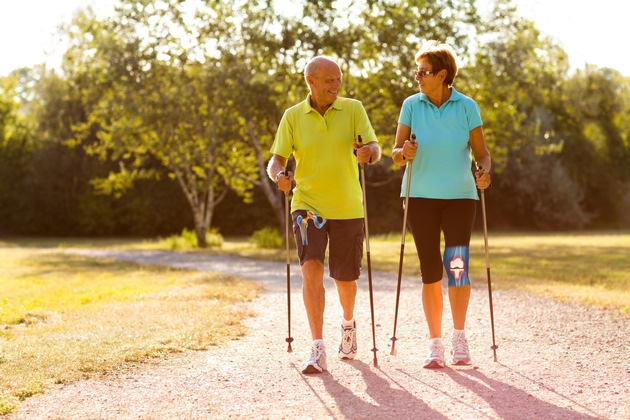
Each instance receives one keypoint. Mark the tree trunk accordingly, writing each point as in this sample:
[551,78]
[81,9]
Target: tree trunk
[273,195]
[201,209]
[200,227]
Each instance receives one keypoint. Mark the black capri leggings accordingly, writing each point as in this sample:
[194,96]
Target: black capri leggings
[427,218]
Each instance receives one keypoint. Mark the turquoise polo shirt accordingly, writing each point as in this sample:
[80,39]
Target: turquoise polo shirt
[442,166]
[326,173]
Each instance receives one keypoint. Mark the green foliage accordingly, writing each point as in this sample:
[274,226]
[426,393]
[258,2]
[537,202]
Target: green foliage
[214,239]
[540,195]
[592,119]
[188,240]
[15,152]
[268,238]
[164,118]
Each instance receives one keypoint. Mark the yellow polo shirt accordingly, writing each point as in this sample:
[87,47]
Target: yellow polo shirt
[326,173]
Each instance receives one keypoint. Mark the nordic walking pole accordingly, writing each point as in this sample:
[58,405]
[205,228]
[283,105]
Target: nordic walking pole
[286,218]
[369,264]
[485,241]
[402,249]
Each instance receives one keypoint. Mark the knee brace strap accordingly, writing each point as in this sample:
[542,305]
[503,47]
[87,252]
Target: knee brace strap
[303,224]
[456,265]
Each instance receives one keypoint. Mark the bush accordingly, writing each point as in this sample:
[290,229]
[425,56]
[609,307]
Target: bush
[536,192]
[268,238]
[188,240]
[214,239]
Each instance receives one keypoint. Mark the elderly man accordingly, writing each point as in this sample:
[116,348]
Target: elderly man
[322,133]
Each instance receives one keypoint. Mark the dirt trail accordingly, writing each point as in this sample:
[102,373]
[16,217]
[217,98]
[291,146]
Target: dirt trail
[555,361]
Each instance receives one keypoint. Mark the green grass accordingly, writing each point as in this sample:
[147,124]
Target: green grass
[66,317]
[583,267]
[592,268]
[587,267]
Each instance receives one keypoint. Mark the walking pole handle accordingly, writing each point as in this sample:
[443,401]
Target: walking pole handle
[360,142]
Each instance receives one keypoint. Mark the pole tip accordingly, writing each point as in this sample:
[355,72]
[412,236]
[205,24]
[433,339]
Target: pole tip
[374,350]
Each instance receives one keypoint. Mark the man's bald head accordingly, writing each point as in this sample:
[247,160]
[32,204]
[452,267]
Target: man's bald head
[316,63]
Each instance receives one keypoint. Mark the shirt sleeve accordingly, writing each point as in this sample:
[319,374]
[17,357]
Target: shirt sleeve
[283,142]
[474,115]
[405,113]
[363,126]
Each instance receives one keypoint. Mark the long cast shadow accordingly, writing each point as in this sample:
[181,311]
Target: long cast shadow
[550,389]
[389,402]
[459,400]
[507,401]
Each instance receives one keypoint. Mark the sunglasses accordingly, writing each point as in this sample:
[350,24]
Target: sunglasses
[422,73]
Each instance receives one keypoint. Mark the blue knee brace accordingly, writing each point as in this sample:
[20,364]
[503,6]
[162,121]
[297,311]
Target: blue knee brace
[456,265]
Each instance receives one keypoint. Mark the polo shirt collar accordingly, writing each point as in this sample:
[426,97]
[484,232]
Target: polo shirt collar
[306,107]
[455,96]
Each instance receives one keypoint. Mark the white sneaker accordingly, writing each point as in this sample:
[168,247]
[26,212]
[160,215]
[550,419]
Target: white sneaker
[348,346]
[316,363]
[460,352]
[435,358]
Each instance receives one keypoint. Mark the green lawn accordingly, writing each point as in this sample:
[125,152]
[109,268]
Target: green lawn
[66,317]
[591,267]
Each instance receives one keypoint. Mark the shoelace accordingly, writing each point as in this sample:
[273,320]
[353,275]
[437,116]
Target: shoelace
[346,341]
[316,352]
[436,352]
[347,335]
[460,344]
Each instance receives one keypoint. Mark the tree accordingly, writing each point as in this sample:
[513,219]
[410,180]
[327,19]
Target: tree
[593,120]
[15,151]
[248,61]
[258,52]
[154,95]
[517,74]
[267,52]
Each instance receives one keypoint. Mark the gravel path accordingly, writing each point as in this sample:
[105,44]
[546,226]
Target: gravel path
[555,361]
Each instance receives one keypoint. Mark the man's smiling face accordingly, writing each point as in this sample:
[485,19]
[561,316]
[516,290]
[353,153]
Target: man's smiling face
[325,84]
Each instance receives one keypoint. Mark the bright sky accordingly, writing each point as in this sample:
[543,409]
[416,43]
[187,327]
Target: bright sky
[28,30]
[590,32]
[594,32]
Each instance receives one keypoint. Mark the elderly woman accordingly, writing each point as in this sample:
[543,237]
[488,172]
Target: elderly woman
[443,189]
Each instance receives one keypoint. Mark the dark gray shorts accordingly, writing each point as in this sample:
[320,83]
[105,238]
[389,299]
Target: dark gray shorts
[346,244]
